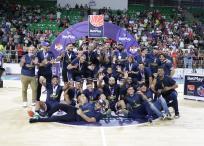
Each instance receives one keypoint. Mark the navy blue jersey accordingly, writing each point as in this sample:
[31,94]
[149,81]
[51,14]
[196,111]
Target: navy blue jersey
[89,110]
[167,66]
[131,66]
[68,58]
[28,71]
[165,82]
[135,100]
[111,91]
[53,93]
[48,68]
[121,54]
[144,75]
[92,95]
[140,59]
[152,61]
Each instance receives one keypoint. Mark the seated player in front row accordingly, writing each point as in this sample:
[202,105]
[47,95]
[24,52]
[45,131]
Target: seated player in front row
[54,91]
[84,111]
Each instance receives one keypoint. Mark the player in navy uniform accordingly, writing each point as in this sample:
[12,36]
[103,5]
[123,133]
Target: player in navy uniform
[54,91]
[67,57]
[79,67]
[166,65]
[91,92]
[131,67]
[144,74]
[46,59]
[111,91]
[87,112]
[152,60]
[165,86]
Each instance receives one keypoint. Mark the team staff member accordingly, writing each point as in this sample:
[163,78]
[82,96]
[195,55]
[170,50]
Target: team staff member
[45,58]
[28,63]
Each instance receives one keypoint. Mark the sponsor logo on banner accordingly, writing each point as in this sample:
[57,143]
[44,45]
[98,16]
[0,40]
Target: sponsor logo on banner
[194,85]
[68,36]
[58,46]
[96,26]
[199,79]
[124,38]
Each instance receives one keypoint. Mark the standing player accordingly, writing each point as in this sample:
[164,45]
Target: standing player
[165,86]
[45,58]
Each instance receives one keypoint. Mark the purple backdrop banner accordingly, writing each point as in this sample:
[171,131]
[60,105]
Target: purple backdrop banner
[80,31]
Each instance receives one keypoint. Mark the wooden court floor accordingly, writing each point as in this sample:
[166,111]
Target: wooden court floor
[15,130]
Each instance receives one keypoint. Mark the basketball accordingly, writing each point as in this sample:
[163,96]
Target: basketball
[30,113]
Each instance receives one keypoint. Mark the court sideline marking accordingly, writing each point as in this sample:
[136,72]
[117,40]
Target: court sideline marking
[103,137]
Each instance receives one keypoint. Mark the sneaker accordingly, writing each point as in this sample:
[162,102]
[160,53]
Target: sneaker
[163,117]
[150,120]
[33,120]
[176,116]
[25,104]
[43,114]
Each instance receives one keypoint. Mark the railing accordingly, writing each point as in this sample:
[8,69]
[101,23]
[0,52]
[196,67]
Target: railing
[14,56]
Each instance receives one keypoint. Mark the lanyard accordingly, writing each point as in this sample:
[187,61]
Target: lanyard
[143,59]
[130,66]
[54,90]
[142,74]
[69,55]
[80,66]
[45,55]
[112,90]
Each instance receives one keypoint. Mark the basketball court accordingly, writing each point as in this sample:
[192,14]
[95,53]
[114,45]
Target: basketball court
[16,130]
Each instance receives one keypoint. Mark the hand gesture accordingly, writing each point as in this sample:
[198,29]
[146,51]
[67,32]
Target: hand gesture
[139,92]
[101,76]
[45,62]
[126,75]
[62,54]
[23,61]
[155,75]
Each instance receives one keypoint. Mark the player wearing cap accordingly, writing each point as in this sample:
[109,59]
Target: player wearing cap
[46,59]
